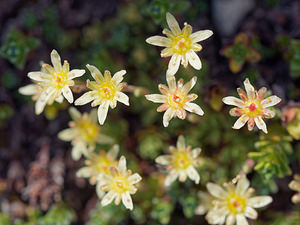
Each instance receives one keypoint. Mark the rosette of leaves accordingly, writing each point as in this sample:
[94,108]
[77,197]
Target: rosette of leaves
[272,156]
[17,47]
[240,52]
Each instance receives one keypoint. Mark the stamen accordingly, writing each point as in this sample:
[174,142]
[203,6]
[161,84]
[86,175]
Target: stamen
[252,107]
[176,99]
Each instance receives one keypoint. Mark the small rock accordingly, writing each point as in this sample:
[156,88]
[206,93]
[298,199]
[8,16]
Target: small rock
[227,14]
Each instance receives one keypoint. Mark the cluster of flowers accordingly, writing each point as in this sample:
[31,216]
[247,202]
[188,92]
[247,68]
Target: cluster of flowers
[111,175]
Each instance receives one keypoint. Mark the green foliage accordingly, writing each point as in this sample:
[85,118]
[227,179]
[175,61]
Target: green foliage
[161,211]
[17,47]
[272,156]
[6,113]
[189,204]
[282,219]
[157,9]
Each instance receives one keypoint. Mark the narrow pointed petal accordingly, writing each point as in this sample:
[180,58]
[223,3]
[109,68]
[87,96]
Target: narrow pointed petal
[84,172]
[270,101]
[230,100]
[267,113]
[236,111]
[194,108]
[163,160]
[240,122]
[66,134]
[249,89]
[168,115]
[56,61]
[127,201]
[85,98]
[74,113]
[189,85]
[215,190]
[118,76]
[171,178]
[261,124]
[159,41]
[156,98]
[241,220]
[135,178]
[171,83]
[108,198]
[162,108]
[201,35]
[102,112]
[242,185]
[181,142]
[30,89]
[122,165]
[68,94]
[250,213]
[262,92]
[38,76]
[96,74]
[230,220]
[193,174]
[113,152]
[75,73]
[173,64]
[242,94]
[260,201]
[173,24]
[194,60]
[42,100]
[121,97]
[196,152]
[78,150]
[251,124]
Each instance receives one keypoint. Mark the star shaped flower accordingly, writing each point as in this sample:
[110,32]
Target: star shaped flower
[252,107]
[295,185]
[119,185]
[180,44]
[54,82]
[106,91]
[181,162]
[234,203]
[175,99]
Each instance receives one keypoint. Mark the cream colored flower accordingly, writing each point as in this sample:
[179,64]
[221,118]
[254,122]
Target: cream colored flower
[54,81]
[295,185]
[84,132]
[96,165]
[175,99]
[252,107]
[119,185]
[234,203]
[180,44]
[106,91]
[205,203]
[181,163]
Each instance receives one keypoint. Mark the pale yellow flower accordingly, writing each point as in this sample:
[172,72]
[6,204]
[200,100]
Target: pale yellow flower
[119,185]
[33,90]
[295,185]
[176,99]
[205,203]
[235,203]
[252,107]
[181,162]
[84,132]
[180,44]
[54,81]
[96,165]
[106,91]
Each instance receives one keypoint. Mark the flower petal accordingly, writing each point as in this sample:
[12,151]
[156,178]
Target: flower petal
[43,99]
[193,174]
[118,76]
[122,165]
[30,89]
[230,100]
[85,98]
[38,76]
[249,89]
[156,98]
[78,149]
[180,142]
[102,111]
[251,124]
[159,41]
[108,198]
[250,213]
[189,85]
[56,61]
[113,152]
[193,108]
[240,122]
[173,64]
[270,101]
[84,172]
[68,94]
[163,160]
[267,113]
[96,74]
[194,60]
[75,73]
[171,83]
[173,24]
[261,124]
[134,178]
[230,220]
[259,201]
[66,134]
[127,201]
[168,115]
[241,220]
[236,111]
[121,97]
[215,190]
[201,35]
[242,185]
[196,152]
[171,178]
[74,113]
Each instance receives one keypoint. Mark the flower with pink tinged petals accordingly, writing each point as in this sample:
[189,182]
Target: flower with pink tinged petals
[252,107]
[106,91]
[176,100]
[295,185]
[54,82]
[84,132]
[180,44]
[235,203]
[181,162]
[119,185]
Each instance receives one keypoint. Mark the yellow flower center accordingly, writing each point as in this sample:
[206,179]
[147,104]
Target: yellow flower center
[107,90]
[88,131]
[236,204]
[120,184]
[182,160]
[253,108]
[59,79]
[176,100]
[101,163]
[181,44]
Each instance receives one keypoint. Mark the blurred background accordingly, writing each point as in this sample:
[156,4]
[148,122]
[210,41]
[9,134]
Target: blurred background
[258,39]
